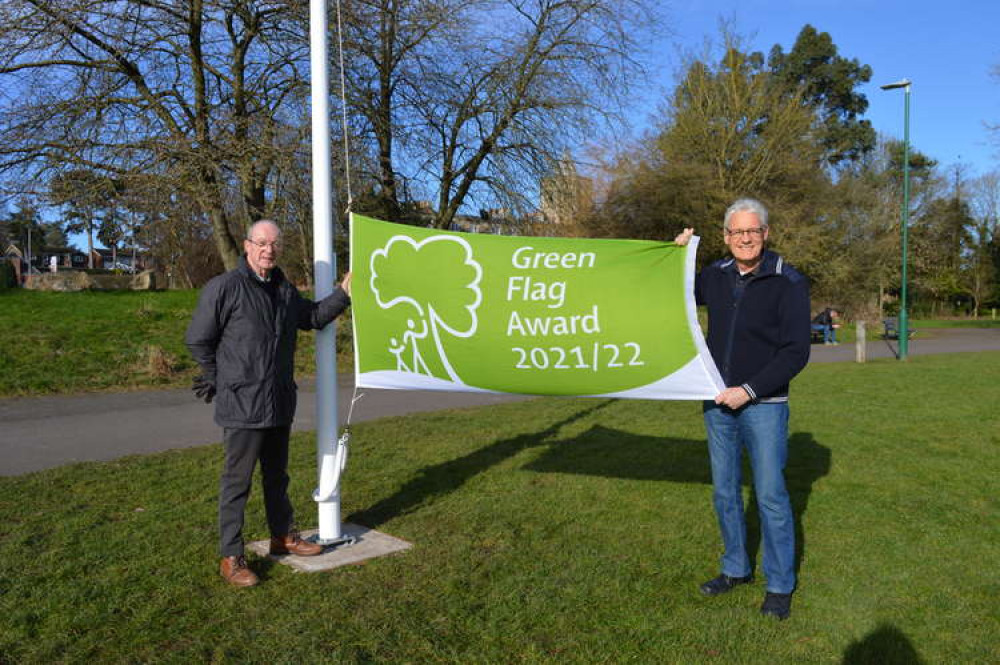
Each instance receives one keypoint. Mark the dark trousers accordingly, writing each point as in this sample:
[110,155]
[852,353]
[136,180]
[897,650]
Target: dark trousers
[243,448]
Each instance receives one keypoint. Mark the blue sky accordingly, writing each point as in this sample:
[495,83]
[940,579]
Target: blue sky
[946,48]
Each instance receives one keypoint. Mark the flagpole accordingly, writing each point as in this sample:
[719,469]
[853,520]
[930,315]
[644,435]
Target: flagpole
[327,494]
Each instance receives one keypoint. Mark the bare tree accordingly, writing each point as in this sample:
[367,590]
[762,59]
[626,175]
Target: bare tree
[982,277]
[192,91]
[459,109]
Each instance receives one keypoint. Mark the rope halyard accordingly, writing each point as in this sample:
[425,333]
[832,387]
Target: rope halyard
[350,410]
[343,111]
[345,437]
[343,445]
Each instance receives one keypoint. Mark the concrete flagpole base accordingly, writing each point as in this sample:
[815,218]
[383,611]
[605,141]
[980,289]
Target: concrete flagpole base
[368,544]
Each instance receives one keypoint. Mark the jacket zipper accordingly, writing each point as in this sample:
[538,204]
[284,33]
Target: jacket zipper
[732,328]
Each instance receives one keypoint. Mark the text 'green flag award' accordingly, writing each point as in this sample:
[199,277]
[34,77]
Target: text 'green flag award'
[438,310]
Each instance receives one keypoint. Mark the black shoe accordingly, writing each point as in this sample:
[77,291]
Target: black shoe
[777,605]
[723,584]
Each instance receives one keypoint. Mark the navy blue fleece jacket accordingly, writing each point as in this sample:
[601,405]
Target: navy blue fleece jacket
[758,325]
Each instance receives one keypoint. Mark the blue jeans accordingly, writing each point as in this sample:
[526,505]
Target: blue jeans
[763,430]
[829,332]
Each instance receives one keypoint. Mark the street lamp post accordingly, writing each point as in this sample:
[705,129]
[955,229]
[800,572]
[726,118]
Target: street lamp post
[904,324]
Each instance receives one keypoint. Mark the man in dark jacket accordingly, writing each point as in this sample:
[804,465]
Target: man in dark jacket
[758,333]
[243,335]
[826,323]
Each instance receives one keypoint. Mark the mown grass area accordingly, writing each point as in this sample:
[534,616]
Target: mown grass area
[847,333]
[92,341]
[549,531]
[984,322]
[88,341]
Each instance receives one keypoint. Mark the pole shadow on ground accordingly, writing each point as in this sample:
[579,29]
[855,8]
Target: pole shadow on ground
[601,451]
[444,478]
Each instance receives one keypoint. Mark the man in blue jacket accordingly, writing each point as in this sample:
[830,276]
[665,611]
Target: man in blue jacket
[759,335]
[243,335]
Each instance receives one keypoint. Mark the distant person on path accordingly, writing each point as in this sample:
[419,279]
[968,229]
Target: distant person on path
[243,335]
[826,323]
[758,333]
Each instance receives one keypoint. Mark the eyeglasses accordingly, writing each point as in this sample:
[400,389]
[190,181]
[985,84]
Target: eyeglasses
[260,244]
[746,233]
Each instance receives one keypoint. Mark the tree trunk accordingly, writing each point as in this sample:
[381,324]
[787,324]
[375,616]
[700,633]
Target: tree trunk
[307,264]
[228,247]
[383,118]
[387,177]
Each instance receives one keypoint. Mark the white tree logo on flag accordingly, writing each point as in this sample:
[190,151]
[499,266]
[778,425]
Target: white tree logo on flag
[424,312]
[440,310]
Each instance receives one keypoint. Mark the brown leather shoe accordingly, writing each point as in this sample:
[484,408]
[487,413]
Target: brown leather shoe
[234,570]
[292,544]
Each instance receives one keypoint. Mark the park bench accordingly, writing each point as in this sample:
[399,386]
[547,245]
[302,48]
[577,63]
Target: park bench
[891,330]
[816,336]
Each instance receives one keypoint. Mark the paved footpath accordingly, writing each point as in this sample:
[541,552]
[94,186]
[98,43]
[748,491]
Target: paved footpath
[43,432]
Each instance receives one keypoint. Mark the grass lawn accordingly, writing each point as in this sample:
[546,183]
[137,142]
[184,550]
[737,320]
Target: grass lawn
[985,322]
[116,340]
[87,341]
[556,530]
[924,328]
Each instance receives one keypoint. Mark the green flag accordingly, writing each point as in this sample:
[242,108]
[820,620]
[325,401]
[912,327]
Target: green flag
[441,310]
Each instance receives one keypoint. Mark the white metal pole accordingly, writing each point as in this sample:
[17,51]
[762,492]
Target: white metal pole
[327,495]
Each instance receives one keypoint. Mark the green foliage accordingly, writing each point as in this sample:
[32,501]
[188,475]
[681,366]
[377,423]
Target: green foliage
[8,277]
[726,116]
[859,243]
[729,131]
[14,227]
[111,231]
[938,239]
[549,531]
[737,126]
[921,166]
[828,83]
[790,132]
[926,324]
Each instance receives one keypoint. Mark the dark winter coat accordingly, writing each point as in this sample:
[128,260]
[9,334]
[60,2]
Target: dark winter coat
[758,325]
[824,318]
[243,335]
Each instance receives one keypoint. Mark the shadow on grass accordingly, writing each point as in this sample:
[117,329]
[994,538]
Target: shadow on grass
[614,454]
[886,645]
[617,454]
[441,479]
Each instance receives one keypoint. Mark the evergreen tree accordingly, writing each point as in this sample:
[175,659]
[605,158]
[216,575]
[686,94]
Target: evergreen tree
[16,226]
[827,83]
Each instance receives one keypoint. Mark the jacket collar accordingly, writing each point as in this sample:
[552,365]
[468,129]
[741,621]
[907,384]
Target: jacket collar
[770,264]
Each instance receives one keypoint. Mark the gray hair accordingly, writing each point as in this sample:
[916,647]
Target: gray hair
[261,222]
[747,205]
